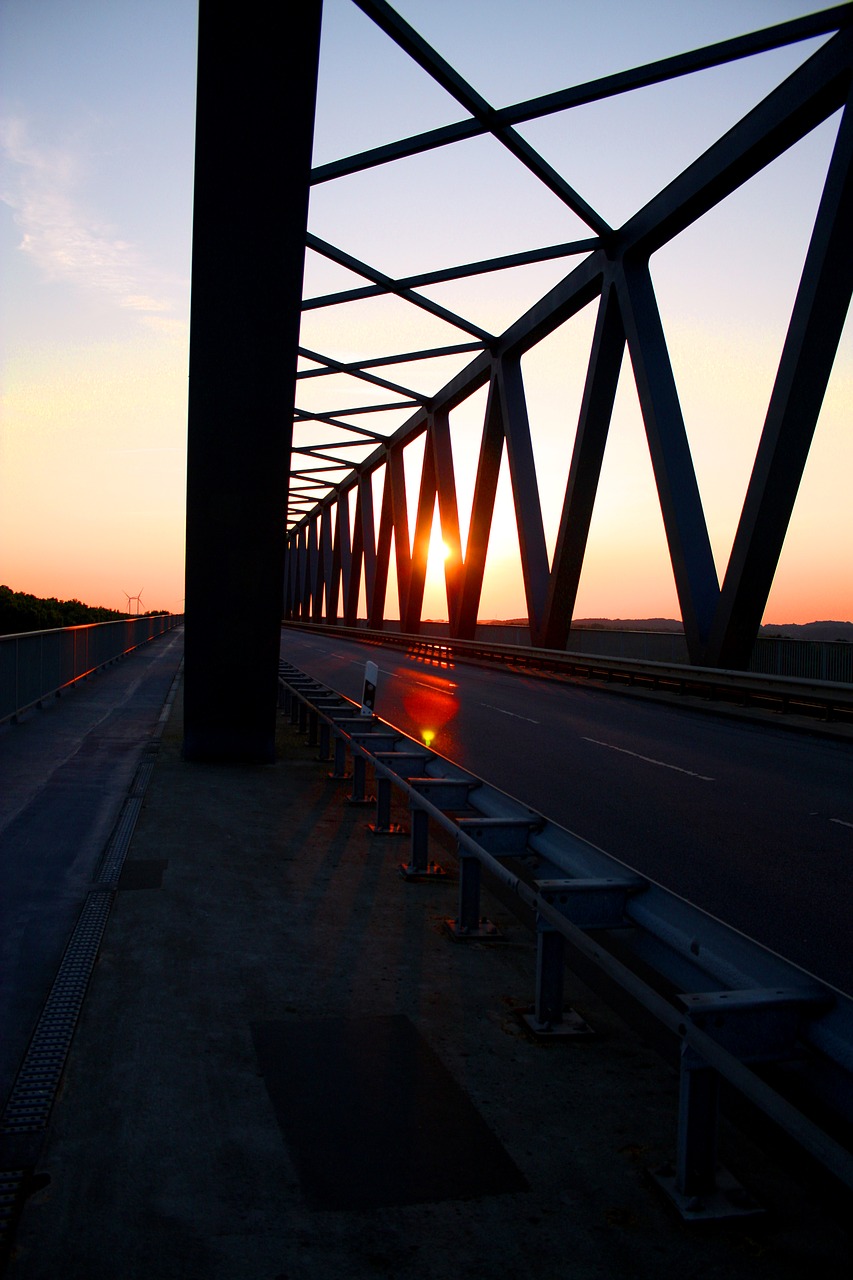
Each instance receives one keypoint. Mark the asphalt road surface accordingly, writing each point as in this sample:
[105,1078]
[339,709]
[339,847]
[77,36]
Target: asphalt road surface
[751,822]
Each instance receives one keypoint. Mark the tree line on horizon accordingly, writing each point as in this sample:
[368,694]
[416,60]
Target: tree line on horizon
[20,611]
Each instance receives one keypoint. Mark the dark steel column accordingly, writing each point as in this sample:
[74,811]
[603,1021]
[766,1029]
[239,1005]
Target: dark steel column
[257,80]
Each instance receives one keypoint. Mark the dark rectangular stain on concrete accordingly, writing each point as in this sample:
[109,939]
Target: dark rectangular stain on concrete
[143,873]
[373,1118]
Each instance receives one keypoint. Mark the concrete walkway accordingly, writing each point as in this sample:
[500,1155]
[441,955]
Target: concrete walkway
[284,1070]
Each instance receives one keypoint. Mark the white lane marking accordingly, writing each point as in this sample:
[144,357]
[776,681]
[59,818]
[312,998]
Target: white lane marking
[648,759]
[508,713]
[841,822]
[433,688]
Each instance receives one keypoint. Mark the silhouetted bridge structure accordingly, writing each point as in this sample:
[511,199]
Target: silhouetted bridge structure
[338,547]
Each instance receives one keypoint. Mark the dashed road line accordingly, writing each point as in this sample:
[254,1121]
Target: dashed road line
[508,713]
[650,760]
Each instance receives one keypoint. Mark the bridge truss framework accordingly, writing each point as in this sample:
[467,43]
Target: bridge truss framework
[334,556]
[256,98]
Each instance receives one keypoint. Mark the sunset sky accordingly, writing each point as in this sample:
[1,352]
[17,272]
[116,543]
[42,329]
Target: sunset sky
[96,129]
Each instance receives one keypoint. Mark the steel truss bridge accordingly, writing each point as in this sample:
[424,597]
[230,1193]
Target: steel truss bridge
[335,556]
[248,369]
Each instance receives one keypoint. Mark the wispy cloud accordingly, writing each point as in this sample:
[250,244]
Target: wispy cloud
[63,239]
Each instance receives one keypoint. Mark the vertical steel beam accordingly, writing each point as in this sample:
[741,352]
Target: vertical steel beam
[602,378]
[327,561]
[341,558]
[411,619]
[678,492]
[400,516]
[363,550]
[303,562]
[820,310]
[313,580]
[377,593]
[254,132]
[525,492]
[482,509]
[448,511]
[289,576]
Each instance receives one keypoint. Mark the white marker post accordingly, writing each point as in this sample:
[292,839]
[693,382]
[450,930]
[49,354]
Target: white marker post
[368,698]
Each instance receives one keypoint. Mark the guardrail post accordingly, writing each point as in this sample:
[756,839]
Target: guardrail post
[420,867]
[468,917]
[469,925]
[383,826]
[696,1166]
[313,721]
[339,772]
[550,968]
[697,1186]
[420,840]
[303,717]
[549,1020]
[359,776]
[325,751]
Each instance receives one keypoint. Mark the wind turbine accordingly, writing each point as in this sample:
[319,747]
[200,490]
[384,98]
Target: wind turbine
[137,598]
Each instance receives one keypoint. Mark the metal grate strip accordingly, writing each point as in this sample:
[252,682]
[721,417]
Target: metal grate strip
[31,1099]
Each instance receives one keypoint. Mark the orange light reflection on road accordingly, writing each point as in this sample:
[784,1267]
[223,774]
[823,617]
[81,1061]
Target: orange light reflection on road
[431,704]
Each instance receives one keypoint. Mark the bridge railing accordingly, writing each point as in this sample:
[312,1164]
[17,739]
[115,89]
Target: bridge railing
[36,665]
[777,1034]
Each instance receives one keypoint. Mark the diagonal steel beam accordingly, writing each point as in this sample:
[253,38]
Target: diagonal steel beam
[426,57]
[482,510]
[602,378]
[375,362]
[818,317]
[483,267]
[650,73]
[678,492]
[336,366]
[525,491]
[411,616]
[808,97]
[408,295]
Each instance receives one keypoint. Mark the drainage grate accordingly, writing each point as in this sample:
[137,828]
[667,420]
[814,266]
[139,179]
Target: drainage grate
[32,1095]
[109,868]
[11,1198]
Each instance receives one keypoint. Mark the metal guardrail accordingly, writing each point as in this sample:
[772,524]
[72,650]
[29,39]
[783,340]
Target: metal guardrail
[825,700]
[738,1009]
[37,665]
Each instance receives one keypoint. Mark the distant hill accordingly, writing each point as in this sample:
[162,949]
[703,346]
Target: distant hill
[790,630]
[811,631]
[606,624]
[630,624]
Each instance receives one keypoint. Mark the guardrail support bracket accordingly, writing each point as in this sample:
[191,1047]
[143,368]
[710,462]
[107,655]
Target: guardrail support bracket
[420,867]
[469,925]
[383,826]
[700,1189]
[548,1020]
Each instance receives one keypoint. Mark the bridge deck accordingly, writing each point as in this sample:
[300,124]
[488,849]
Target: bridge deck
[284,1068]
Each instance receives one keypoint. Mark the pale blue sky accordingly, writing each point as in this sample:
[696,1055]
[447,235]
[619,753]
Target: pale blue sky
[97,104]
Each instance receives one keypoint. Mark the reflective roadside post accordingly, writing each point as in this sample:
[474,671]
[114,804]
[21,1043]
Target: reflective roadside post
[368,698]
